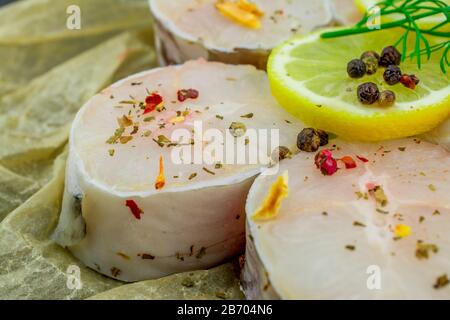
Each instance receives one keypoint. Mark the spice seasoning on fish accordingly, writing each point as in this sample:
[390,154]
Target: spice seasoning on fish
[185,94]
[380,197]
[192,176]
[125,139]
[349,162]
[149,119]
[325,162]
[271,204]
[208,171]
[147,256]
[135,130]
[133,102]
[152,102]
[162,141]
[281,153]
[441,282]
[177,120]
[237,129]
[160,180]
[115,272]
[310,139]
[241,11]
[124,121]
[362,159]
[402,230]
[134,208]
[423,250]
[123,255]
[201,253]
[116,136]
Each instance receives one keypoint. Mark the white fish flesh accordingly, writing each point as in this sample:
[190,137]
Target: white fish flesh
[115,219]
[190,29]
[335,239]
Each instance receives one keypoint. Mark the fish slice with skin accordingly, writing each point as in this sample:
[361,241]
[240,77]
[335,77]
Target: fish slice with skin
[335,239]
[124,216]
[189,29]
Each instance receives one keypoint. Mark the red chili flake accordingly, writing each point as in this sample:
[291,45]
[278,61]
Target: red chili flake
[152,101]
[349,162]
[185,94]
[135,210]
[362,159]
[325,162]
[409,81]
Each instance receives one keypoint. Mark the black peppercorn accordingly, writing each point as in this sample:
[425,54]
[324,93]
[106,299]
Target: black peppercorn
[390,56]
[368,93]
[371,64]
[392,75]
[356,68]
[368,54]
[310,139]
[387,98]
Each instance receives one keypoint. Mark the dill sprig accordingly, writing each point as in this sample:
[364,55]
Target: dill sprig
[411,12]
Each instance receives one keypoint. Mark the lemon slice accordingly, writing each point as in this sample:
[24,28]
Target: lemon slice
[308,77]
[368,5]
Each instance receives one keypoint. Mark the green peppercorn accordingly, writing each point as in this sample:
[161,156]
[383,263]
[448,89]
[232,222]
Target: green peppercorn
[237,129]
[387,98]
[356,68]
[323,135]
[392,75]
[371,64]
[368,93]
[390,56]
[368,54]
[310,139]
